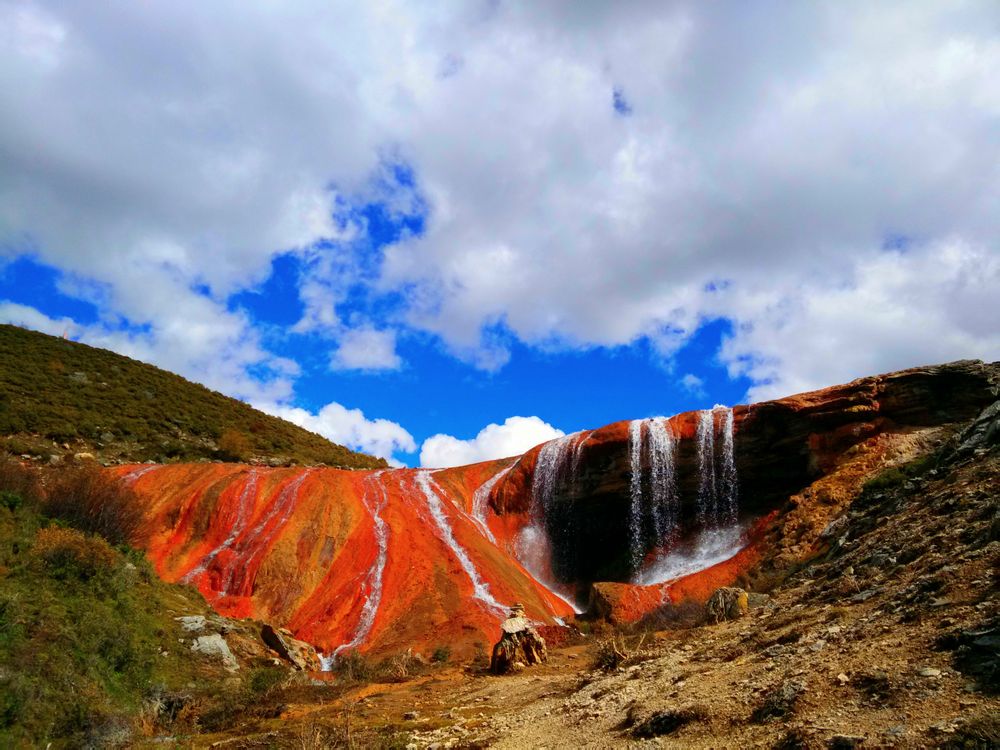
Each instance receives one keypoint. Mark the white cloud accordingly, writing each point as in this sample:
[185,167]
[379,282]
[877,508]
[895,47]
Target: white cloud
[513,437]
[29,317]
[366,349]
[931,303]
[771,150]
[350,427]
[693,384]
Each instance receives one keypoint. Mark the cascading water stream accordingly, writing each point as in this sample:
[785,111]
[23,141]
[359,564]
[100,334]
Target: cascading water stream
[636,542]
[719,535]
[374,499]
[718,485]
[653,514]
[555,463]
[481,590]
[244,508]
[706,467]
[264,532]
[728,483]
[480,502]
[133,476]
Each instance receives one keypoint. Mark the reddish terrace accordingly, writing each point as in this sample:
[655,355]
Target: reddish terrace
[308,548]
[395,559]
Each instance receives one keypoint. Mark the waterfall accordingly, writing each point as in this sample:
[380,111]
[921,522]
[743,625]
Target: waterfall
[480,501]
[728,483]
[719,536]
[662,448]
[718,485]
[706,467]
[551,468]
[557,461]
[481,590]
[636,542]
[653,514]
[373,579]
[244,509]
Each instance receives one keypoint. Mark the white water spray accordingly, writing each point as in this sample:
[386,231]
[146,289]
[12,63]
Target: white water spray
[480,589]
[708,548]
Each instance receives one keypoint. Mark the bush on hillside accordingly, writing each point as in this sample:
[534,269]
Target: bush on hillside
[17,480]
[68,553]
[96,501]
[234,446]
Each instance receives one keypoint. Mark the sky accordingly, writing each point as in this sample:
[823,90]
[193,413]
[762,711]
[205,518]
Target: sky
[446,232]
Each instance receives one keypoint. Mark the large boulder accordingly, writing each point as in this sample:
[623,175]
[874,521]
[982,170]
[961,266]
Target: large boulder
[299,653]
[215,645]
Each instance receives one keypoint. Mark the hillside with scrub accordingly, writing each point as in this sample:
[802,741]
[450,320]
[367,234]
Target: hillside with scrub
[59,398]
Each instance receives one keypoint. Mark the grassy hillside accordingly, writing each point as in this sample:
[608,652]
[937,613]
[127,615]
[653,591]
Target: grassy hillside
[59,397]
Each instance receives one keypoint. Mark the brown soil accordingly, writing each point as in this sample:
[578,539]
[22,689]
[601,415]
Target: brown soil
[858,646]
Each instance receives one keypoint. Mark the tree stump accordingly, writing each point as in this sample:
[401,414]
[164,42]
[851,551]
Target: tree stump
[519,645]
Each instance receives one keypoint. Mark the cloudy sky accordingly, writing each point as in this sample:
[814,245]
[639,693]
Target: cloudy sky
[443,232]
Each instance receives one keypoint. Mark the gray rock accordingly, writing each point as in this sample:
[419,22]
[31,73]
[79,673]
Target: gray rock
[192,623]
[215,645]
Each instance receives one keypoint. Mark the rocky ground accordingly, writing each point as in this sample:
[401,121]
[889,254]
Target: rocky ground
[889,638]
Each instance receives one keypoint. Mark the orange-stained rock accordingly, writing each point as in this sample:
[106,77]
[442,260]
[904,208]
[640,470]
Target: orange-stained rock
[301,548]
[392,560]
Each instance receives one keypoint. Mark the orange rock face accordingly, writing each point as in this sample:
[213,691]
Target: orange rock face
[388,560]
[378,561]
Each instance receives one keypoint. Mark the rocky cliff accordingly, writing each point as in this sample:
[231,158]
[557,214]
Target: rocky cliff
[653,511]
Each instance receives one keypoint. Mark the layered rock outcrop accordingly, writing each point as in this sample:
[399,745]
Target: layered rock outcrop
[395,559]
[780,447]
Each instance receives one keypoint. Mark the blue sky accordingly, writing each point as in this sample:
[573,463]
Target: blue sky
[447,234]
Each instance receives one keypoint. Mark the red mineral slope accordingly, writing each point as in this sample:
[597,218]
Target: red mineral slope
[378,561]
[394,559]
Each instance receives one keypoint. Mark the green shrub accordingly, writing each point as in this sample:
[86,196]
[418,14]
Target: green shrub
[897,475]
[67,553]
[10,500]
[441,654]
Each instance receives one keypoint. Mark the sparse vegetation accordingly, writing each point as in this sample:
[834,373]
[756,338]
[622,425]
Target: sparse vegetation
[55,392]
[979,732]
[95,501]
[441,654]
[617,650]
[896,475]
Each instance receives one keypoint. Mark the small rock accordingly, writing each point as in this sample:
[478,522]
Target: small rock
[844,742]
[843,679]
[929,672]
[411,716]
